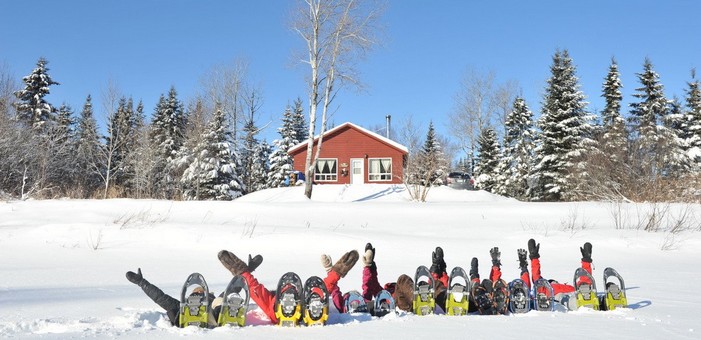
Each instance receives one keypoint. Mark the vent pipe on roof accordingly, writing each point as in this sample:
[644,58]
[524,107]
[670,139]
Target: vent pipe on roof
[389,119]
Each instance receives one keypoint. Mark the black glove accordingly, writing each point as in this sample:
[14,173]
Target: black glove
[586,252]
[474,269]
[254,262]
[522,259]
[135,278]
[533,249]
[496,256]
[438,265]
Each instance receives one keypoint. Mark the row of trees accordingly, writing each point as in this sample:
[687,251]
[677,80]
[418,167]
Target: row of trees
[570,154]
[181,153]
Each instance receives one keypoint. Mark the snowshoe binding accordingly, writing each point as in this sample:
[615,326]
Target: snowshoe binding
[483,295]
[458,294]
[384,304]
[543,296]
[519,301]
[288,300]
[501,297]
[424,287]
[194,302]
[615,292]
[316,302]
[585,289]
[235,303]
[355,303]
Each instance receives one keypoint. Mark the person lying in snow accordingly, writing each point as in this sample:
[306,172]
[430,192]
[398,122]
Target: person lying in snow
[489,296]
[264,298]
[172,305]
[402,291]
[563,292]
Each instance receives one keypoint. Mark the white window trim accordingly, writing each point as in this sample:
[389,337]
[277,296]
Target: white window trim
[379,175]
[335,175]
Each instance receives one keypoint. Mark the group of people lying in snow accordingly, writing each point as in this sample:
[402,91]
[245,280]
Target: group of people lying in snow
[402,289]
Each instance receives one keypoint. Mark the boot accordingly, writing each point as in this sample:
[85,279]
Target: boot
[533,249]
[369,256]
[438,265]
[404,293]
[233,263]
[474,269]
[345,263]
[522,263]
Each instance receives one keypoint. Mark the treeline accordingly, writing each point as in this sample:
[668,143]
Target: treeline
[193,153]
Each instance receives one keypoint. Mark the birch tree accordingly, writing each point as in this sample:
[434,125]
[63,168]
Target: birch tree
[336,33]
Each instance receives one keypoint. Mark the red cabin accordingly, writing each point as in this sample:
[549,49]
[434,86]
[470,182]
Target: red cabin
[351,154]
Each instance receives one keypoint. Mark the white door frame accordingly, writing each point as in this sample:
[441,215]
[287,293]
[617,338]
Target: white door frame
[357,178]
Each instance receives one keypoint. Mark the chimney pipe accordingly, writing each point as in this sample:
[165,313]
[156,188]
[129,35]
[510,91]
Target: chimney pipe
[389,119]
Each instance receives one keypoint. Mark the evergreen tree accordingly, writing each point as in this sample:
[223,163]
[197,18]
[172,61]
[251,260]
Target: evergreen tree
[565,134]
[212,173]
[88,151]
[300,122]
[32,108]
[515,165]
[280,160]
[431,163]
[167,137]
[656,150]
[486,167]
[693,120]
[259,167]
[249,152]
[119,142]
[614,140]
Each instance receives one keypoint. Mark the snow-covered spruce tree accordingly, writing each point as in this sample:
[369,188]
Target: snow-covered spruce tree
[280,161]
[300,122]
[517,157]
[614,140]
[88,152]
[140,158]
[212,175]
[61,142]
[248,153]
[31,106]
[655,150]
[118,145]
[432,163]
[167,136]
[488,160]
[565,135]
[259,167]
[693,121]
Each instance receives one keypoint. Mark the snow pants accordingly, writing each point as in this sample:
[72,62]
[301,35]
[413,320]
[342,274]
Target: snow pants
[558,288]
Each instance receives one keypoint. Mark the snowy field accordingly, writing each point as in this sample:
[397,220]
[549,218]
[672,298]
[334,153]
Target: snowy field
[63,262]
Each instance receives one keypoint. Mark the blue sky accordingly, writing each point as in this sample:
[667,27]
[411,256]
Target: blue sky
[145,46]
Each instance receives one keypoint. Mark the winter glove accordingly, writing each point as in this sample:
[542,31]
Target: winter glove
[438,266]
[522,260]
[586,252]
[254,262]
[474,270]
[345,263]
[369,256]
[533,249]
[135,278]
[496,256]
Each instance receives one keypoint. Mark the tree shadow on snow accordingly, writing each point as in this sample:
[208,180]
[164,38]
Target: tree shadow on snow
[391,190]
[641,304]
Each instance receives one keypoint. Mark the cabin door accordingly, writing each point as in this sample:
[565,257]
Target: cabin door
[357,171]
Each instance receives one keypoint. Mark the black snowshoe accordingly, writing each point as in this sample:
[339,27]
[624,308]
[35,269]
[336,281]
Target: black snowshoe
[519,301]
[384,304]
[316,302]
[543,296]
[355,302]
[483,294]
[288,300]
[501,297]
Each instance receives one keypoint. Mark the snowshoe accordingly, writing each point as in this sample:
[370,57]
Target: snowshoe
[615,293]
[424,287]
[384,304]
[316,302]
[501,297]
[543,296]
[483,295]
[519,301]
[235,303]
[288,300]
[458,295]
[585,291]
[355,302]
[194,303]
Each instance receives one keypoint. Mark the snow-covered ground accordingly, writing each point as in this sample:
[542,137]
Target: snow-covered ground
[63,262]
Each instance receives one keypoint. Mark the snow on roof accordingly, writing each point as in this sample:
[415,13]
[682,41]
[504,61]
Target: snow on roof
[366,131]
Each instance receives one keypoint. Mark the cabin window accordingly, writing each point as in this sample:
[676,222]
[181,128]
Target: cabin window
[380,169]
[325,170]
